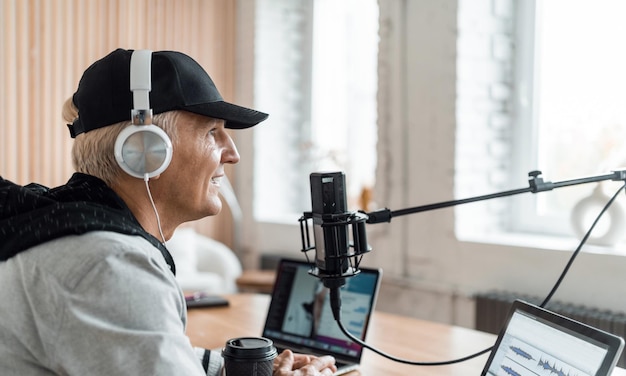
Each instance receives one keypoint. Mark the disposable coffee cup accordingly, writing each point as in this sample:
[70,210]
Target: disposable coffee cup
[249,356]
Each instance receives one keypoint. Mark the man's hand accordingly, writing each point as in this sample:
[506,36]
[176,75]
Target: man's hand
[290,364]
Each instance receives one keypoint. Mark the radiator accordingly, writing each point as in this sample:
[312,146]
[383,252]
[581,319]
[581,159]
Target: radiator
[492,309]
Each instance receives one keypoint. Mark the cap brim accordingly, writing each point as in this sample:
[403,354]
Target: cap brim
[237,117]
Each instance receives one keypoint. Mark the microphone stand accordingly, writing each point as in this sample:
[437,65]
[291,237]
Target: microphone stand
[535,181]
[536,184]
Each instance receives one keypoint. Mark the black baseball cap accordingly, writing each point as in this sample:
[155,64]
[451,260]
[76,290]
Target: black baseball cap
[178,83]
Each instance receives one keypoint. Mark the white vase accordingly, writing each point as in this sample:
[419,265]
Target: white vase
[587,209]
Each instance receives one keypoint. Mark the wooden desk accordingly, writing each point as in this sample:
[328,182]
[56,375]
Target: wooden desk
[399,336]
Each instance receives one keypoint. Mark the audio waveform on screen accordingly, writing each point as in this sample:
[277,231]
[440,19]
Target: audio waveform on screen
[553,369]
[523,360]
[520,352]
[510,371]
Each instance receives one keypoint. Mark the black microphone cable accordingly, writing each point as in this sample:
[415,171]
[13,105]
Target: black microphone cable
[580,246]
[335,302]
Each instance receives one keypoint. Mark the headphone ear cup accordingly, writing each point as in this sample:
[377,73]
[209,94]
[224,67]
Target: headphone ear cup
[143,151]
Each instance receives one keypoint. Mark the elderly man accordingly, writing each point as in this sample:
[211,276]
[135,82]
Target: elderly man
[88,286]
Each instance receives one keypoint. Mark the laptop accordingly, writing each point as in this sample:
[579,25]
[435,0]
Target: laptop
[535,341]
[300,319]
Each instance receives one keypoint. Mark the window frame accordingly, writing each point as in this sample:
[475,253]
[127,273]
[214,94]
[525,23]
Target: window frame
[525,218]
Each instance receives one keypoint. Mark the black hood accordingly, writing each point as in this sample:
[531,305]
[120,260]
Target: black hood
[33,214]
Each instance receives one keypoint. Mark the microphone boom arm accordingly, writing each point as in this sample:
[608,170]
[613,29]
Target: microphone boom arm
[350,258]
[535,181]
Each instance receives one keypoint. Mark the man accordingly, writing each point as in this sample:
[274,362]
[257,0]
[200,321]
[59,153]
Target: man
[88,286]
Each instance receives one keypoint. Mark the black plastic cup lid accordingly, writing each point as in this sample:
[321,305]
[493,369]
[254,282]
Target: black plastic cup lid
[249,348]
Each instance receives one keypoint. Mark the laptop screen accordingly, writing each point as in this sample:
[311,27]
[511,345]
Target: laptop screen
[300,317]
[536,341]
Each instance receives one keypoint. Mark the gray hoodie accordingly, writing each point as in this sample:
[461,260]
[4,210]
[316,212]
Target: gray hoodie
[81,298]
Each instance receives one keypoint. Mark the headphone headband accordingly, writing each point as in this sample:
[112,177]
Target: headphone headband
[142,149]
[141,85]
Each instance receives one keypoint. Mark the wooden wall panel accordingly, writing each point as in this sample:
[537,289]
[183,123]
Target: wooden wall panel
[46,45]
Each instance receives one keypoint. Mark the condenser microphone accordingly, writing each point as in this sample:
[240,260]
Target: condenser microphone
[330,230]
[336,256]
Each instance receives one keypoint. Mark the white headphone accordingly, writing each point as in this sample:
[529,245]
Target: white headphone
[142,149]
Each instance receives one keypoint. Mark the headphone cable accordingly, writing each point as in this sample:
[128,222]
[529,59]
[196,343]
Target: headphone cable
[156,212]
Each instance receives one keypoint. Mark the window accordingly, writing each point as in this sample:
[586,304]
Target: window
[538,89]
[571,102]
[316,74]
